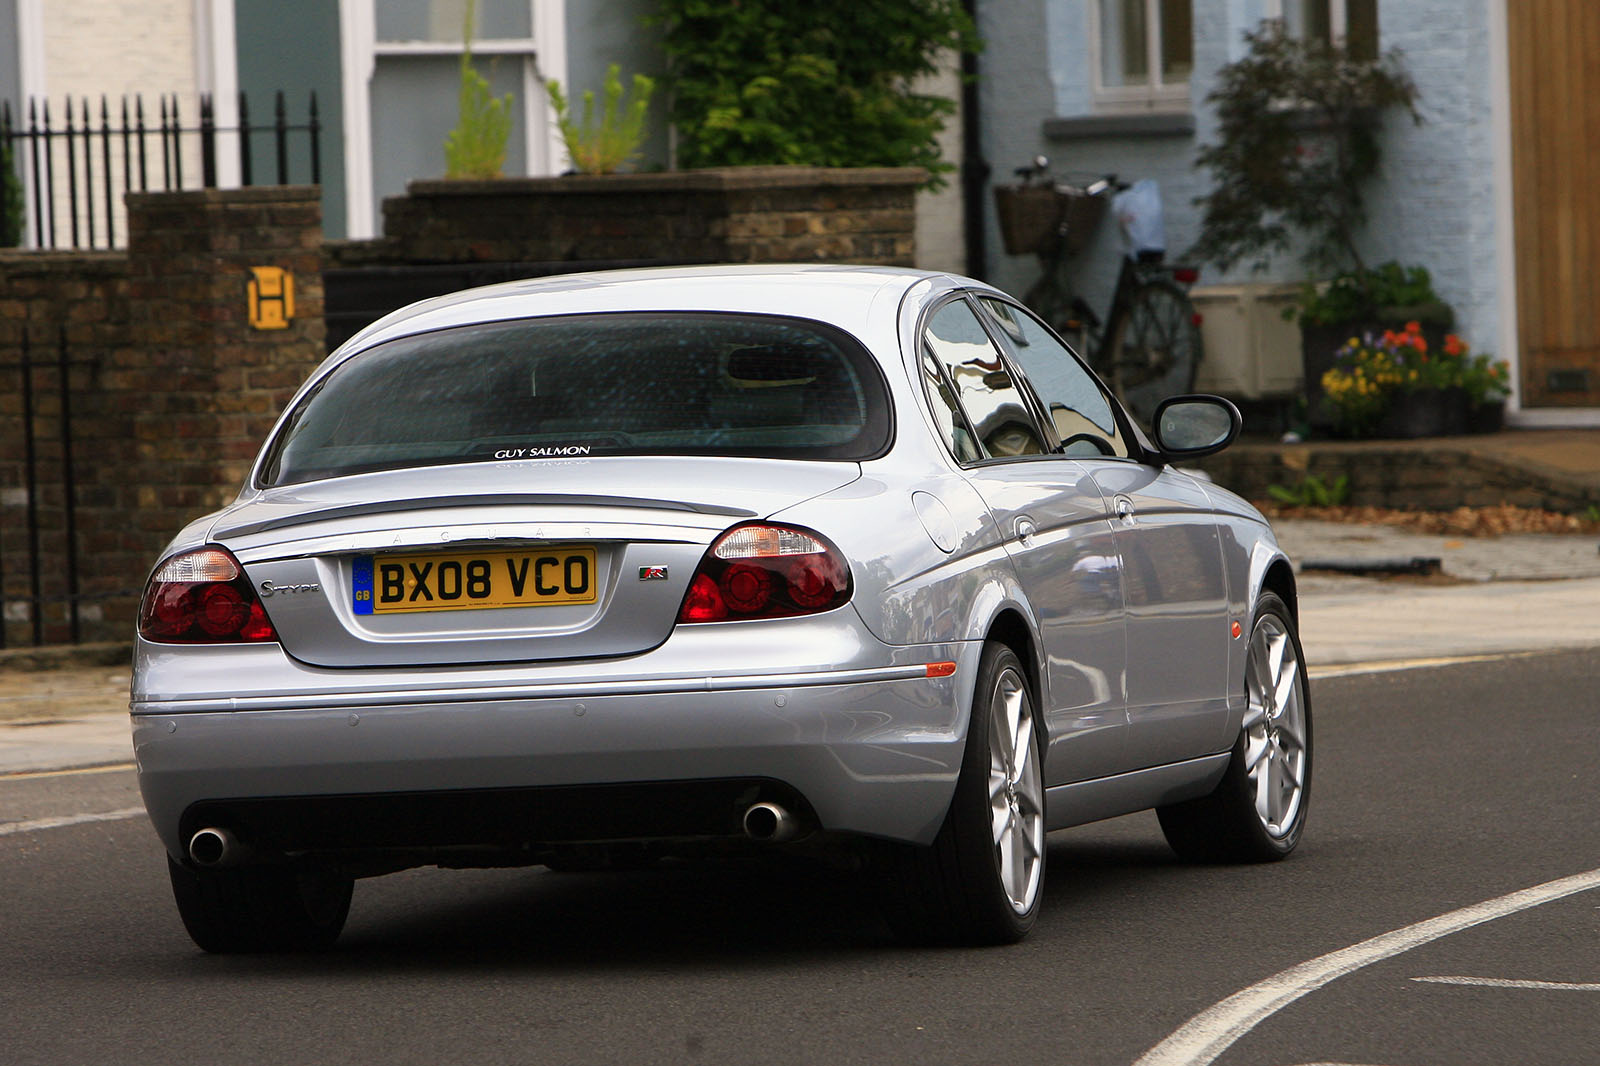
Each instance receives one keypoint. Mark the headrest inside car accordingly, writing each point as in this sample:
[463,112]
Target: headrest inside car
[770,365]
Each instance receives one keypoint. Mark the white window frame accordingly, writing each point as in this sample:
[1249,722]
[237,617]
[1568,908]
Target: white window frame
[1338,17]
[1157,95]
[34,84]
[545,55]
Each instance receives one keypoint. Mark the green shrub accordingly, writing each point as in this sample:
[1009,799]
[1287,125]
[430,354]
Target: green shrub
[1312,492]
[11,205]
[824,83]
[613,142]
[1365,296]
[1298,125]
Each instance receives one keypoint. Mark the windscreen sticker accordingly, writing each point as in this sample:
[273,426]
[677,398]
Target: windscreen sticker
[543,451]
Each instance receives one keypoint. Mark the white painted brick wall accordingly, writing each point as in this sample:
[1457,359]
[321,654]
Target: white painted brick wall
[1432,204]
[112,49]
[1434,200]
[119,46]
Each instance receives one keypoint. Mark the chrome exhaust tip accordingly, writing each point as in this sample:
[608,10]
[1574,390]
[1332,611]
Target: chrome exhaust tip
[770,823]
[216,847]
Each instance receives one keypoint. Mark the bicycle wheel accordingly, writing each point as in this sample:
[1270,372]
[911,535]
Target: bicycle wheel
[1155,348]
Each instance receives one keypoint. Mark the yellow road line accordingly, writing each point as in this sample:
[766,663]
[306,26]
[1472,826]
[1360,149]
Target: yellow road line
[20,774]
[1380,666]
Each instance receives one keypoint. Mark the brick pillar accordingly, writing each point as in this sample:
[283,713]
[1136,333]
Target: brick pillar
[226,295]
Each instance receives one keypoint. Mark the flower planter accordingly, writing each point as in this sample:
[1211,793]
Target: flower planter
[1488,417]
[779,214]
[1425,413]
[1320,343]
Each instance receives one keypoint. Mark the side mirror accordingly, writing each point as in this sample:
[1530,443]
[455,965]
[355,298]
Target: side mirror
[1188,427]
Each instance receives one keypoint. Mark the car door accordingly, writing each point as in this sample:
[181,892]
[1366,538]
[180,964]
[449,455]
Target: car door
[1056,529]
[1168,548]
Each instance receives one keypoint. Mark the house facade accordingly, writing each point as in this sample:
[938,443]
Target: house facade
[1493,192]
[385,75]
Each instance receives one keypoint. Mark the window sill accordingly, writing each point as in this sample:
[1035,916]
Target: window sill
[1145,124]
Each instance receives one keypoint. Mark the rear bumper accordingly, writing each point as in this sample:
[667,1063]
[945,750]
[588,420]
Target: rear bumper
[871,749]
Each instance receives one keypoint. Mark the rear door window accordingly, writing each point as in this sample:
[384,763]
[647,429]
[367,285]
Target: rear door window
[582,385]
[979,380]
[1080,410]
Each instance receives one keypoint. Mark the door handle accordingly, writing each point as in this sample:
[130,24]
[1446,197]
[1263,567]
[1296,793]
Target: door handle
[1026,530]
[1124,508]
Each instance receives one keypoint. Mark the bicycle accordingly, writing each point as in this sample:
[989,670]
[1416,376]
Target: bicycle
[1148,346]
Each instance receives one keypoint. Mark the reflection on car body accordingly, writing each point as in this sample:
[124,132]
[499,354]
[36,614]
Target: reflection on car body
[603,568]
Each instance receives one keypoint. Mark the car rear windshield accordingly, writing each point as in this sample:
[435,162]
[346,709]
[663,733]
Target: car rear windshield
[590,385]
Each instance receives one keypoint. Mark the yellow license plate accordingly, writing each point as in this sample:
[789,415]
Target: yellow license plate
[460,581]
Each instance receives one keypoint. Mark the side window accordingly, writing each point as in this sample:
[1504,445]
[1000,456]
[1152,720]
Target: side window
[948,413]
[1078,406]
[993,403]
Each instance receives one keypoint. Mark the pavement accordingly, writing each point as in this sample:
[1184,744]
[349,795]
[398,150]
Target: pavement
[1490,596]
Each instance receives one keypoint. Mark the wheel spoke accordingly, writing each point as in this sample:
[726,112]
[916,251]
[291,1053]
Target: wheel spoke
[1286,769]
[1285,691]
[1020,741]
[1275,794]
[1263,780]
[1255,750]
[1021,866]
[999,814]
[1260,672]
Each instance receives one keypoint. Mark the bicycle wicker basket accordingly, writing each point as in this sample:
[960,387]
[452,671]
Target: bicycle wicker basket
[1039,218]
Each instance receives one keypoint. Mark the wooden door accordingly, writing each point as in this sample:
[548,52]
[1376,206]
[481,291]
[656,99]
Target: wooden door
[1554,50]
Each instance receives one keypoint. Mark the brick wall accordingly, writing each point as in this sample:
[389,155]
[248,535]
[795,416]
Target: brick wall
[733,215]
[1409,475]
[170,389]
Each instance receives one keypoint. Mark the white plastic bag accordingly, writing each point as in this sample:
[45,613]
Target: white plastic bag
[1138,210]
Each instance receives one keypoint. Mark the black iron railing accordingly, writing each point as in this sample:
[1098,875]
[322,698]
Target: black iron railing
[62,523]
[75,167]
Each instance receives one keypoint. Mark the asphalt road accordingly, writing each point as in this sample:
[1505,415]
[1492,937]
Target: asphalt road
[1435,790]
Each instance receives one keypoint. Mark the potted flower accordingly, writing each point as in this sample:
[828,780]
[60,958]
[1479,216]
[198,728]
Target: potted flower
[1488,383]
[1356,303]
[1397,384]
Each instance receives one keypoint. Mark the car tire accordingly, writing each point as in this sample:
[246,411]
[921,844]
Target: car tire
[1258,811]
[261,908]
[982,879]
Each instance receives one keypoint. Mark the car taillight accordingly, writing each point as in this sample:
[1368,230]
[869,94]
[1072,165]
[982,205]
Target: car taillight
[1186,275]
[202,597]
[766,572]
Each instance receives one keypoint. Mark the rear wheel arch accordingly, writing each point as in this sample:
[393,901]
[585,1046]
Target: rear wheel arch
[1011,629]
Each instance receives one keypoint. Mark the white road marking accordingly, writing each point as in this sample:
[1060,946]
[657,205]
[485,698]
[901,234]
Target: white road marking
[1208,1034]
[8,828]
[1503,982]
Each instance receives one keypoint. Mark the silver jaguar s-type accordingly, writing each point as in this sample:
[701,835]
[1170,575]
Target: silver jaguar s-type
[598,568]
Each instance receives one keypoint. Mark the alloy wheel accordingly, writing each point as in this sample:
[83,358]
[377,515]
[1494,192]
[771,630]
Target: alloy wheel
[1016,792]
[1275,726]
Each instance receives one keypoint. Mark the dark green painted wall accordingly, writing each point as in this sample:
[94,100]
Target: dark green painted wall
[602,32]
[10,77]
[293,46]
